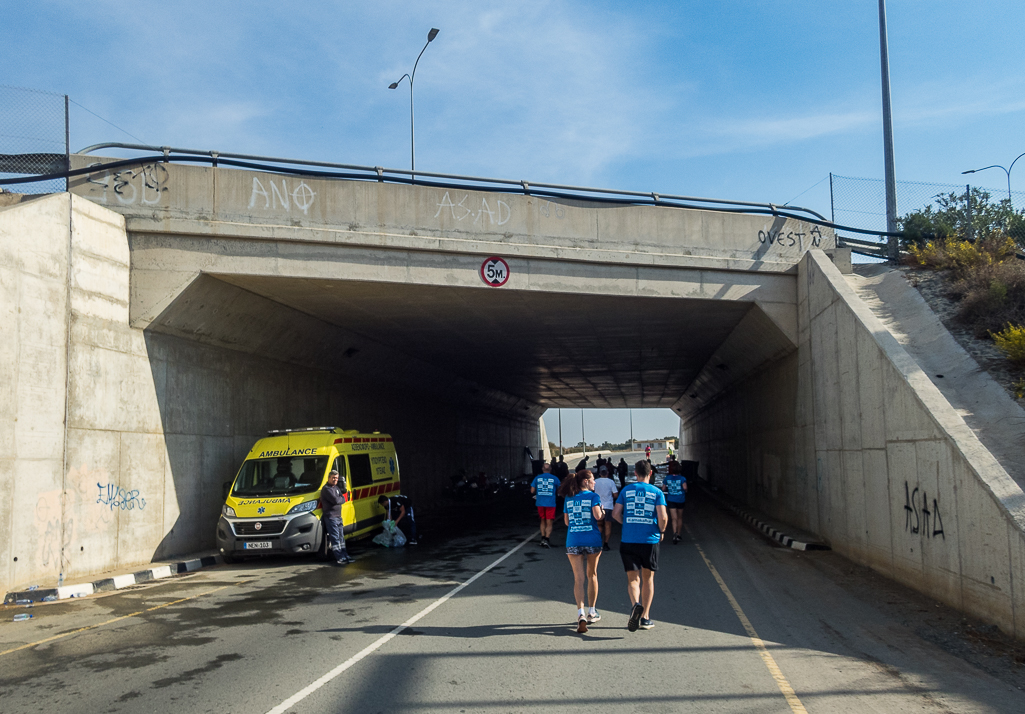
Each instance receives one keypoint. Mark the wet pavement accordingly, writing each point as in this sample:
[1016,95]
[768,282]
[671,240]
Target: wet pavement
[249,637]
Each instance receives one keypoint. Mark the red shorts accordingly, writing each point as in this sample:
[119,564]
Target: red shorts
[547,513]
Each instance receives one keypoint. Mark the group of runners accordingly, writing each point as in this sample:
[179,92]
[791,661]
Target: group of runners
[590,505]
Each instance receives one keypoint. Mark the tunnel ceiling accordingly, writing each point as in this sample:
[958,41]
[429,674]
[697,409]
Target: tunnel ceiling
[555,349]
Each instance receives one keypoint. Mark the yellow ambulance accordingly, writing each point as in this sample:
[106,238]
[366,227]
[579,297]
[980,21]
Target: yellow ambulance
[273,507]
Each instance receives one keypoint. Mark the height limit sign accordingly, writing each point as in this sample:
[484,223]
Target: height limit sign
[494,272]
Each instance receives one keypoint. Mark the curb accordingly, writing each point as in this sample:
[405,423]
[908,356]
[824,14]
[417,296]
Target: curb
[781,538]
[107,584]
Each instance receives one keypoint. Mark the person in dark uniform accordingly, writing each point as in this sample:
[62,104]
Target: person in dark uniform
[400,509]
[332,496]
[622,468]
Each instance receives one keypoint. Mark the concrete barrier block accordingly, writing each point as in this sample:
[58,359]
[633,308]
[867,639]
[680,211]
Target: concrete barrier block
[878,497]
[849,379]
[37,531]
[141,523]
[985,556]
[112,390]
[902,465]
[1017,539]
[7,475]
[854,502]
[871,391]
[92,500]
[934,509]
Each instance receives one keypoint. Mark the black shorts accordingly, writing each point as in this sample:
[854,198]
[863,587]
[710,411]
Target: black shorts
[673,505]
[639,555]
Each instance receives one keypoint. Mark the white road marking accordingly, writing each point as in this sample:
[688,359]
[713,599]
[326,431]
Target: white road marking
[307,691]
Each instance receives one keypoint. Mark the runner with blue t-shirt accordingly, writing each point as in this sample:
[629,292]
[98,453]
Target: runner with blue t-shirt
[676,497]
[544,486]
[641,508]
[582,511]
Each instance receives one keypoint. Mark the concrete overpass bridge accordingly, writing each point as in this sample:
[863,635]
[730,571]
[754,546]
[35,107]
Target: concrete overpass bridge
[164,316]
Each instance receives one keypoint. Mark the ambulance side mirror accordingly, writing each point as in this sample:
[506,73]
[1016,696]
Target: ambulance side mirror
[225,490]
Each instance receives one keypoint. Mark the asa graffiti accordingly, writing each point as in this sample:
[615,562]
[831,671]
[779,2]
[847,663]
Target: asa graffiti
[917,514]
[117,497]
[497,216]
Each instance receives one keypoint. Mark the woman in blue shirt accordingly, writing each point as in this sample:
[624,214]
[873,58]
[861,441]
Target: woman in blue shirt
[582,512]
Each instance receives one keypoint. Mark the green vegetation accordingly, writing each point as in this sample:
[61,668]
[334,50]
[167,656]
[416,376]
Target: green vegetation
[950,219]
[982,269]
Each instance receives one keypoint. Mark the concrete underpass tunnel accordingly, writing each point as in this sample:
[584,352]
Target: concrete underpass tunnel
[458,375]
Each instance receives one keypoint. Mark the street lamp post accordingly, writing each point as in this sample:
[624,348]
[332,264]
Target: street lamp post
[394,85]
[1006,171]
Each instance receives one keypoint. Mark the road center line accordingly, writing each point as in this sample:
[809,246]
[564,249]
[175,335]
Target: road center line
[777,674]
[307,691]
[118,619]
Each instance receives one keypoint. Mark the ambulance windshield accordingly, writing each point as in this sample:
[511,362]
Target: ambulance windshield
[283,476]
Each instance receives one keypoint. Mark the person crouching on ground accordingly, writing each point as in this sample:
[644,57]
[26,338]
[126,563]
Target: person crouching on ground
[544,486]
[606,489]
[641,508]
[582,512]
[332,496]
[400,509]
[675,484]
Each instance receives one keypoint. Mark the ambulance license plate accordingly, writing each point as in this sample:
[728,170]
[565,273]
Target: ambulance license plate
[257,544]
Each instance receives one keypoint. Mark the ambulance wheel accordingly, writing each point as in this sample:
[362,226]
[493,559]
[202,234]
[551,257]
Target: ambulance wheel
[322,553]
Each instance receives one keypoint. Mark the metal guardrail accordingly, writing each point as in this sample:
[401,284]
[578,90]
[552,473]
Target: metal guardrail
[378,173]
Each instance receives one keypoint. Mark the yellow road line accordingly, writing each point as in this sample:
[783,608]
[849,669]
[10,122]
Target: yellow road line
[116,619]
[763,651]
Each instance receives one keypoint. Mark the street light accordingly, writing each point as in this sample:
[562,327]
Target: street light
[394,85]
[1006,171]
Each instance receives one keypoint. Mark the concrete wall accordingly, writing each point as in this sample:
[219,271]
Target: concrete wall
[849,439]
[156,423]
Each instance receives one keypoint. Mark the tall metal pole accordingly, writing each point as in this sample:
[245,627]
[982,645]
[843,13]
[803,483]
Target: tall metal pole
[561,452]
[583,437]
[891,180]
[412,134]
[631,430]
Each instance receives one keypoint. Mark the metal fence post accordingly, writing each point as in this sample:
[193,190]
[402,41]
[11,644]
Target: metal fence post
[67,140]
[968,202]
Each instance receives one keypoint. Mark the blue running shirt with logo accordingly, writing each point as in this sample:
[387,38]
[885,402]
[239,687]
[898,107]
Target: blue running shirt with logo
[582,529]
[640,522]
[546,485]
[674,484]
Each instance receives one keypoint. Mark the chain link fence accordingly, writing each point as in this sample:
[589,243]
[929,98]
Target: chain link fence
[861,203]
[33,138]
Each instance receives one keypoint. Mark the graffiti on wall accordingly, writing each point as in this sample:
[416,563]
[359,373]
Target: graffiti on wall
[81,517]
[919,517]
[791,239]
[117,497]
[300,196]
[141,185]
[495,216]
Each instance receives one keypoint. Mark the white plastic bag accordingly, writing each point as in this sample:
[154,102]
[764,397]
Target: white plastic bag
[391,536]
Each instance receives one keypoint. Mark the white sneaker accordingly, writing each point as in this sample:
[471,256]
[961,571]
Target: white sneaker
[593,618]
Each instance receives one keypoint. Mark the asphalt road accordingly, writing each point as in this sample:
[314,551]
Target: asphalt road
[742,625]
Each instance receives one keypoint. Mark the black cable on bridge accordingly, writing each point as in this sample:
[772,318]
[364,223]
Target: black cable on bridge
[377,177]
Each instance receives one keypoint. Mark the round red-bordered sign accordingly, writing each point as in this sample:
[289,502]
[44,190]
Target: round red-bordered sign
[494,272]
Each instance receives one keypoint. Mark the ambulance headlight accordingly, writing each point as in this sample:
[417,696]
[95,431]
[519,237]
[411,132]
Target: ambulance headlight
[228,511]
[304,507]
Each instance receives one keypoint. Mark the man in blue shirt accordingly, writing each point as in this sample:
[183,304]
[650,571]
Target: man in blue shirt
[544,486]
[641,508]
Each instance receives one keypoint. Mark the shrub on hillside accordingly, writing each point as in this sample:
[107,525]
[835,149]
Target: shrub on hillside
[1011,341]
[991,296]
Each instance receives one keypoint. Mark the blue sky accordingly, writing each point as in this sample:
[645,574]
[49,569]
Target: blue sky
[756,100]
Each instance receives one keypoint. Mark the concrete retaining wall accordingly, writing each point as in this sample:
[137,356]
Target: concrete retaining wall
[849,439]
[155,423]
